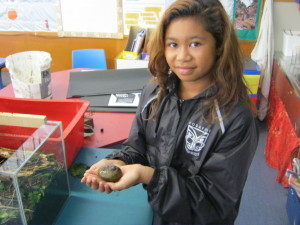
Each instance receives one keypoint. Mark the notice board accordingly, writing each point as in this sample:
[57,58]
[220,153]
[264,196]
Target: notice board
[93,18]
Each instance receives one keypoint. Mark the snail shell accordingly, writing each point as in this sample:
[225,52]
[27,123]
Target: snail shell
[110,173]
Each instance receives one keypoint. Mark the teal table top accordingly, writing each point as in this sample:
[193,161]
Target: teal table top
[87,207]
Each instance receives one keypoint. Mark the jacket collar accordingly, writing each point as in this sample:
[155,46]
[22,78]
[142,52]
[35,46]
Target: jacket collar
[173,83]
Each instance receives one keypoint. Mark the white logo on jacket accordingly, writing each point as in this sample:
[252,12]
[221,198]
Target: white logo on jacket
[195,139]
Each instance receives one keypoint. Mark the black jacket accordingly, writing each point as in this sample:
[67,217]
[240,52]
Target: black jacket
[200,168]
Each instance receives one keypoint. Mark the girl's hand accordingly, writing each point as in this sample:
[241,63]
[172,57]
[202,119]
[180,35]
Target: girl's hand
[92,179]
[132,175]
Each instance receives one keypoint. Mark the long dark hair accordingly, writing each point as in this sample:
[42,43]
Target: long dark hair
[227,72]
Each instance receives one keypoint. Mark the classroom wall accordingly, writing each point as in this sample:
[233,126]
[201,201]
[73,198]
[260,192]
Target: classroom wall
[61,48]
[286,16]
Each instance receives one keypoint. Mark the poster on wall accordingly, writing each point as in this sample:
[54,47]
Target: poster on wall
[28,15]
[88,18]
[246,16]
[147,13]
[143,13]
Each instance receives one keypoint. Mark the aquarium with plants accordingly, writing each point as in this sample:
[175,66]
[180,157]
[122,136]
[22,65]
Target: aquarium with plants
[33,175]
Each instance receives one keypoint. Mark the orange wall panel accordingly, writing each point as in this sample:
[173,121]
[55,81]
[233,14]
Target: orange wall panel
[61,48]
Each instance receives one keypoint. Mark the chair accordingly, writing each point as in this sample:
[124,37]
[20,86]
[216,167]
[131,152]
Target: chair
[89,59]
[2,65]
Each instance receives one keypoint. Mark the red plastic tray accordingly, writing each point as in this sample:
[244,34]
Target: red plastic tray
[69,112]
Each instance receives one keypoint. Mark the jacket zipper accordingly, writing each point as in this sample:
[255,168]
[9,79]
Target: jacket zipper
[180,127]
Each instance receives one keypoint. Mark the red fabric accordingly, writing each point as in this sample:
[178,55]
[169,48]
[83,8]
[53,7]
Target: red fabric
[282,141]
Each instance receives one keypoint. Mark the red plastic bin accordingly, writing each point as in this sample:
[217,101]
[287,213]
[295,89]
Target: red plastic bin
[70,112]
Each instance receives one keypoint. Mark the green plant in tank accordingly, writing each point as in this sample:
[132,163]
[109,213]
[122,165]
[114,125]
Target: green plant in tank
[35,196]
[2,186]
[8,214]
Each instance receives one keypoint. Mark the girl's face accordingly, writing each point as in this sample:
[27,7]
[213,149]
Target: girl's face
[190,50]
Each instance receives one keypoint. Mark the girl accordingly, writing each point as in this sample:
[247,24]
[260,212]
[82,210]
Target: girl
[194,135]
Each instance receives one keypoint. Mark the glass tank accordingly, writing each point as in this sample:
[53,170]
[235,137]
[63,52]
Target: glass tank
[33,174]
[291,67]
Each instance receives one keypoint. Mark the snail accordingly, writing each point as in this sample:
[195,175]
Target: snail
[110,173]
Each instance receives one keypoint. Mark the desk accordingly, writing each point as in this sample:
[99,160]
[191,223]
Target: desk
[87,206]
[115,127]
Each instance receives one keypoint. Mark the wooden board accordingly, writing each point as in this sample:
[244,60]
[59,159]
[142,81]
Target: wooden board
[22,120]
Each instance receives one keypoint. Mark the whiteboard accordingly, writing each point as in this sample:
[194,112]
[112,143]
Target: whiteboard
[90,18]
